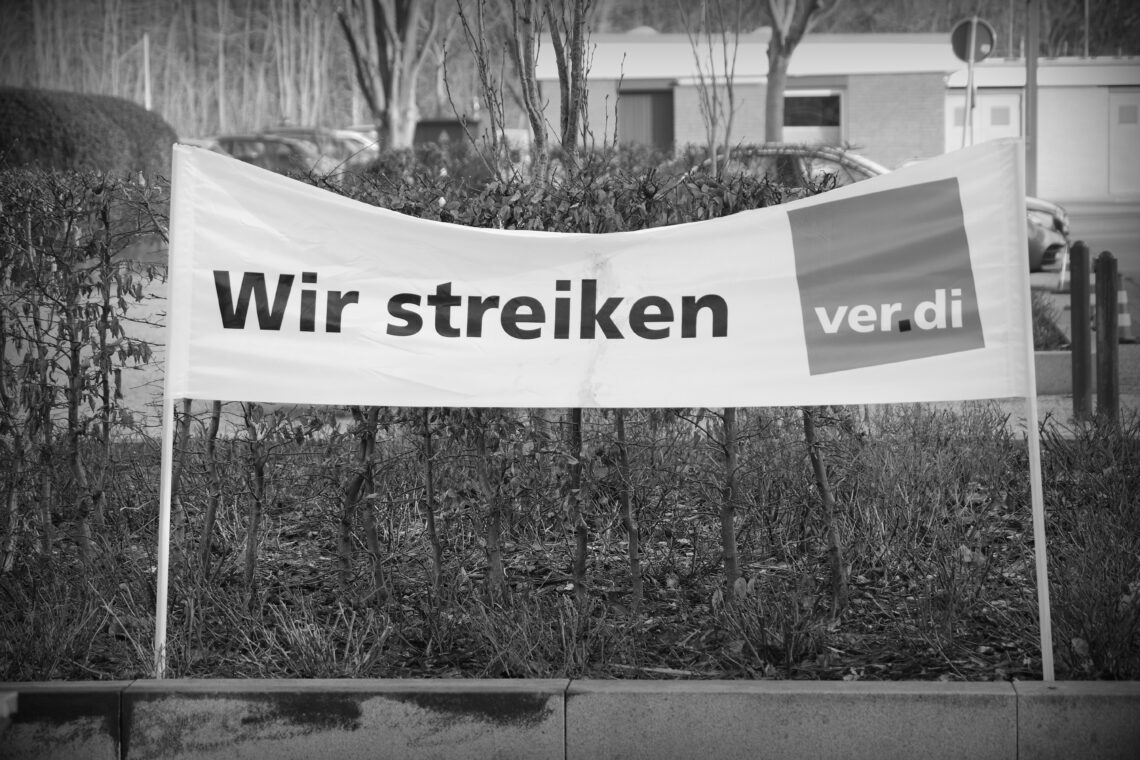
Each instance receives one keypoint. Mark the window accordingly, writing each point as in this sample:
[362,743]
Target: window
[813,117]
[811,111]
[999,116]
[1128,113]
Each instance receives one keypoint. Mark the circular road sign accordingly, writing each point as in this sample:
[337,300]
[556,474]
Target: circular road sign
[983,35]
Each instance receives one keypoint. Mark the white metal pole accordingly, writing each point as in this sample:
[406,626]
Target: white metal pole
[180,227]
[163,569]
[1037,502]
[1033,440]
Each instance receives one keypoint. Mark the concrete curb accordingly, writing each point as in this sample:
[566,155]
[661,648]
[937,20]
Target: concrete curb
[791,719]
[572,719]
[1068,719]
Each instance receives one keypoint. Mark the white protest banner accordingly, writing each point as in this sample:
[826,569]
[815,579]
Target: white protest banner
[908,287]
[912,286]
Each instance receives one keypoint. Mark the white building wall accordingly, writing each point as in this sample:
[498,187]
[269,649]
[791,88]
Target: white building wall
[1072,143]
[601,111]
[1124,142]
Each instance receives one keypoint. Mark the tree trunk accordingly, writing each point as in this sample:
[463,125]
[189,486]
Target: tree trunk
[496,575]
[354,490]
[728,505]
[177,508]
[42,427]
[47,468]
[75,382]
[429,508]
[791,20]
[372,540]
[525,28]
[13,477]
[628,515]
[568,35]
[388,44]
[836,562]
[574,505]
[258,455]
[98,494]
[11,500]
[774,96]
[222,79]
[215,492]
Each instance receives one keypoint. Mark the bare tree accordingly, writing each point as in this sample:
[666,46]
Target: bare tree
[520,25]
[791,20]
[568,32]
[389,40]
[526,24]
[716,30]
[223,65]
[565,20]
[494,35]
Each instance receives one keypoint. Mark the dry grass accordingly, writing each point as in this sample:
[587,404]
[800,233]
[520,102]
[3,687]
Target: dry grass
[934,515]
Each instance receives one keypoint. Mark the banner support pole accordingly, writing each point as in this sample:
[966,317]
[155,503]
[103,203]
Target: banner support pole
[1036,494]
[181,233]
[1039,551]
[1037,501]
[1033,441]
[163,566]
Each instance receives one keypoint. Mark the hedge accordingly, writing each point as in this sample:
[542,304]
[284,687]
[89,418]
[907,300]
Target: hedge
[76,132]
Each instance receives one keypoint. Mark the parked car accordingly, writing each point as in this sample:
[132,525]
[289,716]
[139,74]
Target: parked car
[348,148]
[801,166]
[277,153]
[1048,225]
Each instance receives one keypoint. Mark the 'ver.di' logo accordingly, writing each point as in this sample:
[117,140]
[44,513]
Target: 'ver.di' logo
[885,278]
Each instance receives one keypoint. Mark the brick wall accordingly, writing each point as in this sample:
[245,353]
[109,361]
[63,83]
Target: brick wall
[896,118]
[747,125]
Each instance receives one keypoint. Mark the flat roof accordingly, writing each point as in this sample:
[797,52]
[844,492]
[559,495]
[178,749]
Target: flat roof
[1054,72]
[644,55]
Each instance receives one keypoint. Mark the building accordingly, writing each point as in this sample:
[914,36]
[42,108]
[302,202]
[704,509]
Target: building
[894,98]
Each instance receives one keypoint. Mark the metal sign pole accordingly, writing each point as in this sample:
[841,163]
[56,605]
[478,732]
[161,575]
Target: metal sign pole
[971,95]
[972,40]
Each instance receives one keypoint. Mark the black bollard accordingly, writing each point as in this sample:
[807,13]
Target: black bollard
[1107,349]
[1081,330]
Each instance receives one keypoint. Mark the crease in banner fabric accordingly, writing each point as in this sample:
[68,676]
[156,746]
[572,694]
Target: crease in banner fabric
[907,287]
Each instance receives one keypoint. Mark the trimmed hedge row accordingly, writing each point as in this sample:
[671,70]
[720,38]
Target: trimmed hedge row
[77,132]
[605,192]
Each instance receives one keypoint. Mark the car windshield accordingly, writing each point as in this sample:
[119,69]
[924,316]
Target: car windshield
[782,169]
[792,169]
[818,168]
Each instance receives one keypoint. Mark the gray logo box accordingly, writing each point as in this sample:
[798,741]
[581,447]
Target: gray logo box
[885,278]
